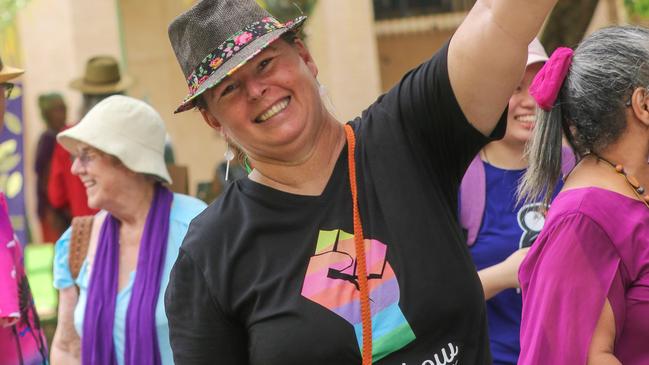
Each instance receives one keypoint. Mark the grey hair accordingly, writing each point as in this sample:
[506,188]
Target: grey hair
[606,68]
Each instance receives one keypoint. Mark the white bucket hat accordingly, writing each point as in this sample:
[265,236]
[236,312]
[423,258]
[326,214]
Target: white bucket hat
[126,128]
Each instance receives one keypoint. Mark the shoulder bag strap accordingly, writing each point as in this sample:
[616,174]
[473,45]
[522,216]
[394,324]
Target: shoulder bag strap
[79,241]
[473,191]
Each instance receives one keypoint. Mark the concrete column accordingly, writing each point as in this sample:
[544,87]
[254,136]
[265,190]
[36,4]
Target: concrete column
[56,38]
[340,35]
[160,82]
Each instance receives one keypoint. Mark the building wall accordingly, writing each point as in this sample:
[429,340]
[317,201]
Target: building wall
[150,58]
[344,48]
[56,37]
[357,59]
[418,47]
[342,40]
[407,42]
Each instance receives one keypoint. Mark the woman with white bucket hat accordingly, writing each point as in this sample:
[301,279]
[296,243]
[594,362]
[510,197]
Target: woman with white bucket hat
[117,317]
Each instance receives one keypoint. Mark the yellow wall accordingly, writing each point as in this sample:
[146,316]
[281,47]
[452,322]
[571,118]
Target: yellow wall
[400,53]
[341,37]
[160,82]
[357,59]
[56,37]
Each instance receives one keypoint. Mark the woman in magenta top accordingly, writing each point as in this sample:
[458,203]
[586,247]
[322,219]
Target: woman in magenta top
[585,282]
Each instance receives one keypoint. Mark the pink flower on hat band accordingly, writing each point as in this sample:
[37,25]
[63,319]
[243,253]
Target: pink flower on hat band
[547,83]
[243,38]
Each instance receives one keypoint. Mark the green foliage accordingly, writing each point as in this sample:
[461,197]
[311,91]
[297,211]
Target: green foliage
[8,10]
[638,7]
[285,10]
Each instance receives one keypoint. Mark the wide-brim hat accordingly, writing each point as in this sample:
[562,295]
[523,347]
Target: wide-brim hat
[7,72]
[536,53]
[102,76]
[216,37]
[124,127]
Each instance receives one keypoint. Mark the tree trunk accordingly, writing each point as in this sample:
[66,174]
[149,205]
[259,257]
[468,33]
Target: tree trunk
[568,23]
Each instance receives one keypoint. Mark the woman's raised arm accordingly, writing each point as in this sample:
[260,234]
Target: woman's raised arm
[487,55]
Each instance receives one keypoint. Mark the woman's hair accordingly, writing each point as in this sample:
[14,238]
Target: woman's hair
[590,108]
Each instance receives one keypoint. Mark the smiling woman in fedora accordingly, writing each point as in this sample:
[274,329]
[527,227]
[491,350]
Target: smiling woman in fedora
[342,245]
[117,316]
[22,340]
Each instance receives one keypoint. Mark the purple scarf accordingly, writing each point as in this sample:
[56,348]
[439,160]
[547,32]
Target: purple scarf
[141,346]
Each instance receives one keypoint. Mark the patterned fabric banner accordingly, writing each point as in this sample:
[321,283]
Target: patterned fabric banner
[12,165]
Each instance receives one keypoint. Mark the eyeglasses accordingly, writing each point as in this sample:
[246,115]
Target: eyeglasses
[7,88]
[85,157]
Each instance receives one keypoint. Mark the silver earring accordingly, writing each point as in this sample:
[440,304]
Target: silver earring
[322,90]
[229,156]
[324,96]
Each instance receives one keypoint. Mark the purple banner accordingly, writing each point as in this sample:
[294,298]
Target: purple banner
[12,164]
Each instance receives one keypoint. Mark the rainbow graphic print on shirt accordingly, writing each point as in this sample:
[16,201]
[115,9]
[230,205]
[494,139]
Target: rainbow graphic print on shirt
[331,281]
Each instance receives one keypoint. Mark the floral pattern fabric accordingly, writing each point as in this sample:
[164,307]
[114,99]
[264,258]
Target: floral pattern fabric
[23,342]
[227,50]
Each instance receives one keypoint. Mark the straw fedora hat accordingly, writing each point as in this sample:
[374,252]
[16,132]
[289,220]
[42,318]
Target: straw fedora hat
[126,128]
[102,76]
[7,72]
[216,37]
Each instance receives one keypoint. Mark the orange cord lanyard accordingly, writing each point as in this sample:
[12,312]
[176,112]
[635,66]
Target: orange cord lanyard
[361,268]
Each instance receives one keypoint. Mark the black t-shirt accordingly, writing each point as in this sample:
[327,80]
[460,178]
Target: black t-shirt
[268,277]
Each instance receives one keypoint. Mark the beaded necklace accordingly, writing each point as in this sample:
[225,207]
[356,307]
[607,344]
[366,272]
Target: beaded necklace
[638,190]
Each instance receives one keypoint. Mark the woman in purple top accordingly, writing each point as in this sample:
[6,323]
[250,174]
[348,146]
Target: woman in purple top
[585,282]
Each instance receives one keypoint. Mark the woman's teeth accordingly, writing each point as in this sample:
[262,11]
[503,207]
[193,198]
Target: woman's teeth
[273,110]
[526,118]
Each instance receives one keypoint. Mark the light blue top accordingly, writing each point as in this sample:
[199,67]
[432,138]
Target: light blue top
[183,209]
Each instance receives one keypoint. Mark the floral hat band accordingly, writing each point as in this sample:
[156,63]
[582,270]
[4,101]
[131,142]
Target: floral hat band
[233,53]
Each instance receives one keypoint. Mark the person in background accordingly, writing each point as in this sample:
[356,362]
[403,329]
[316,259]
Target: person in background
[499,229]
[113,313]
[22,340]
[54,113]
[102,78]
[585,281]
[342,245]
